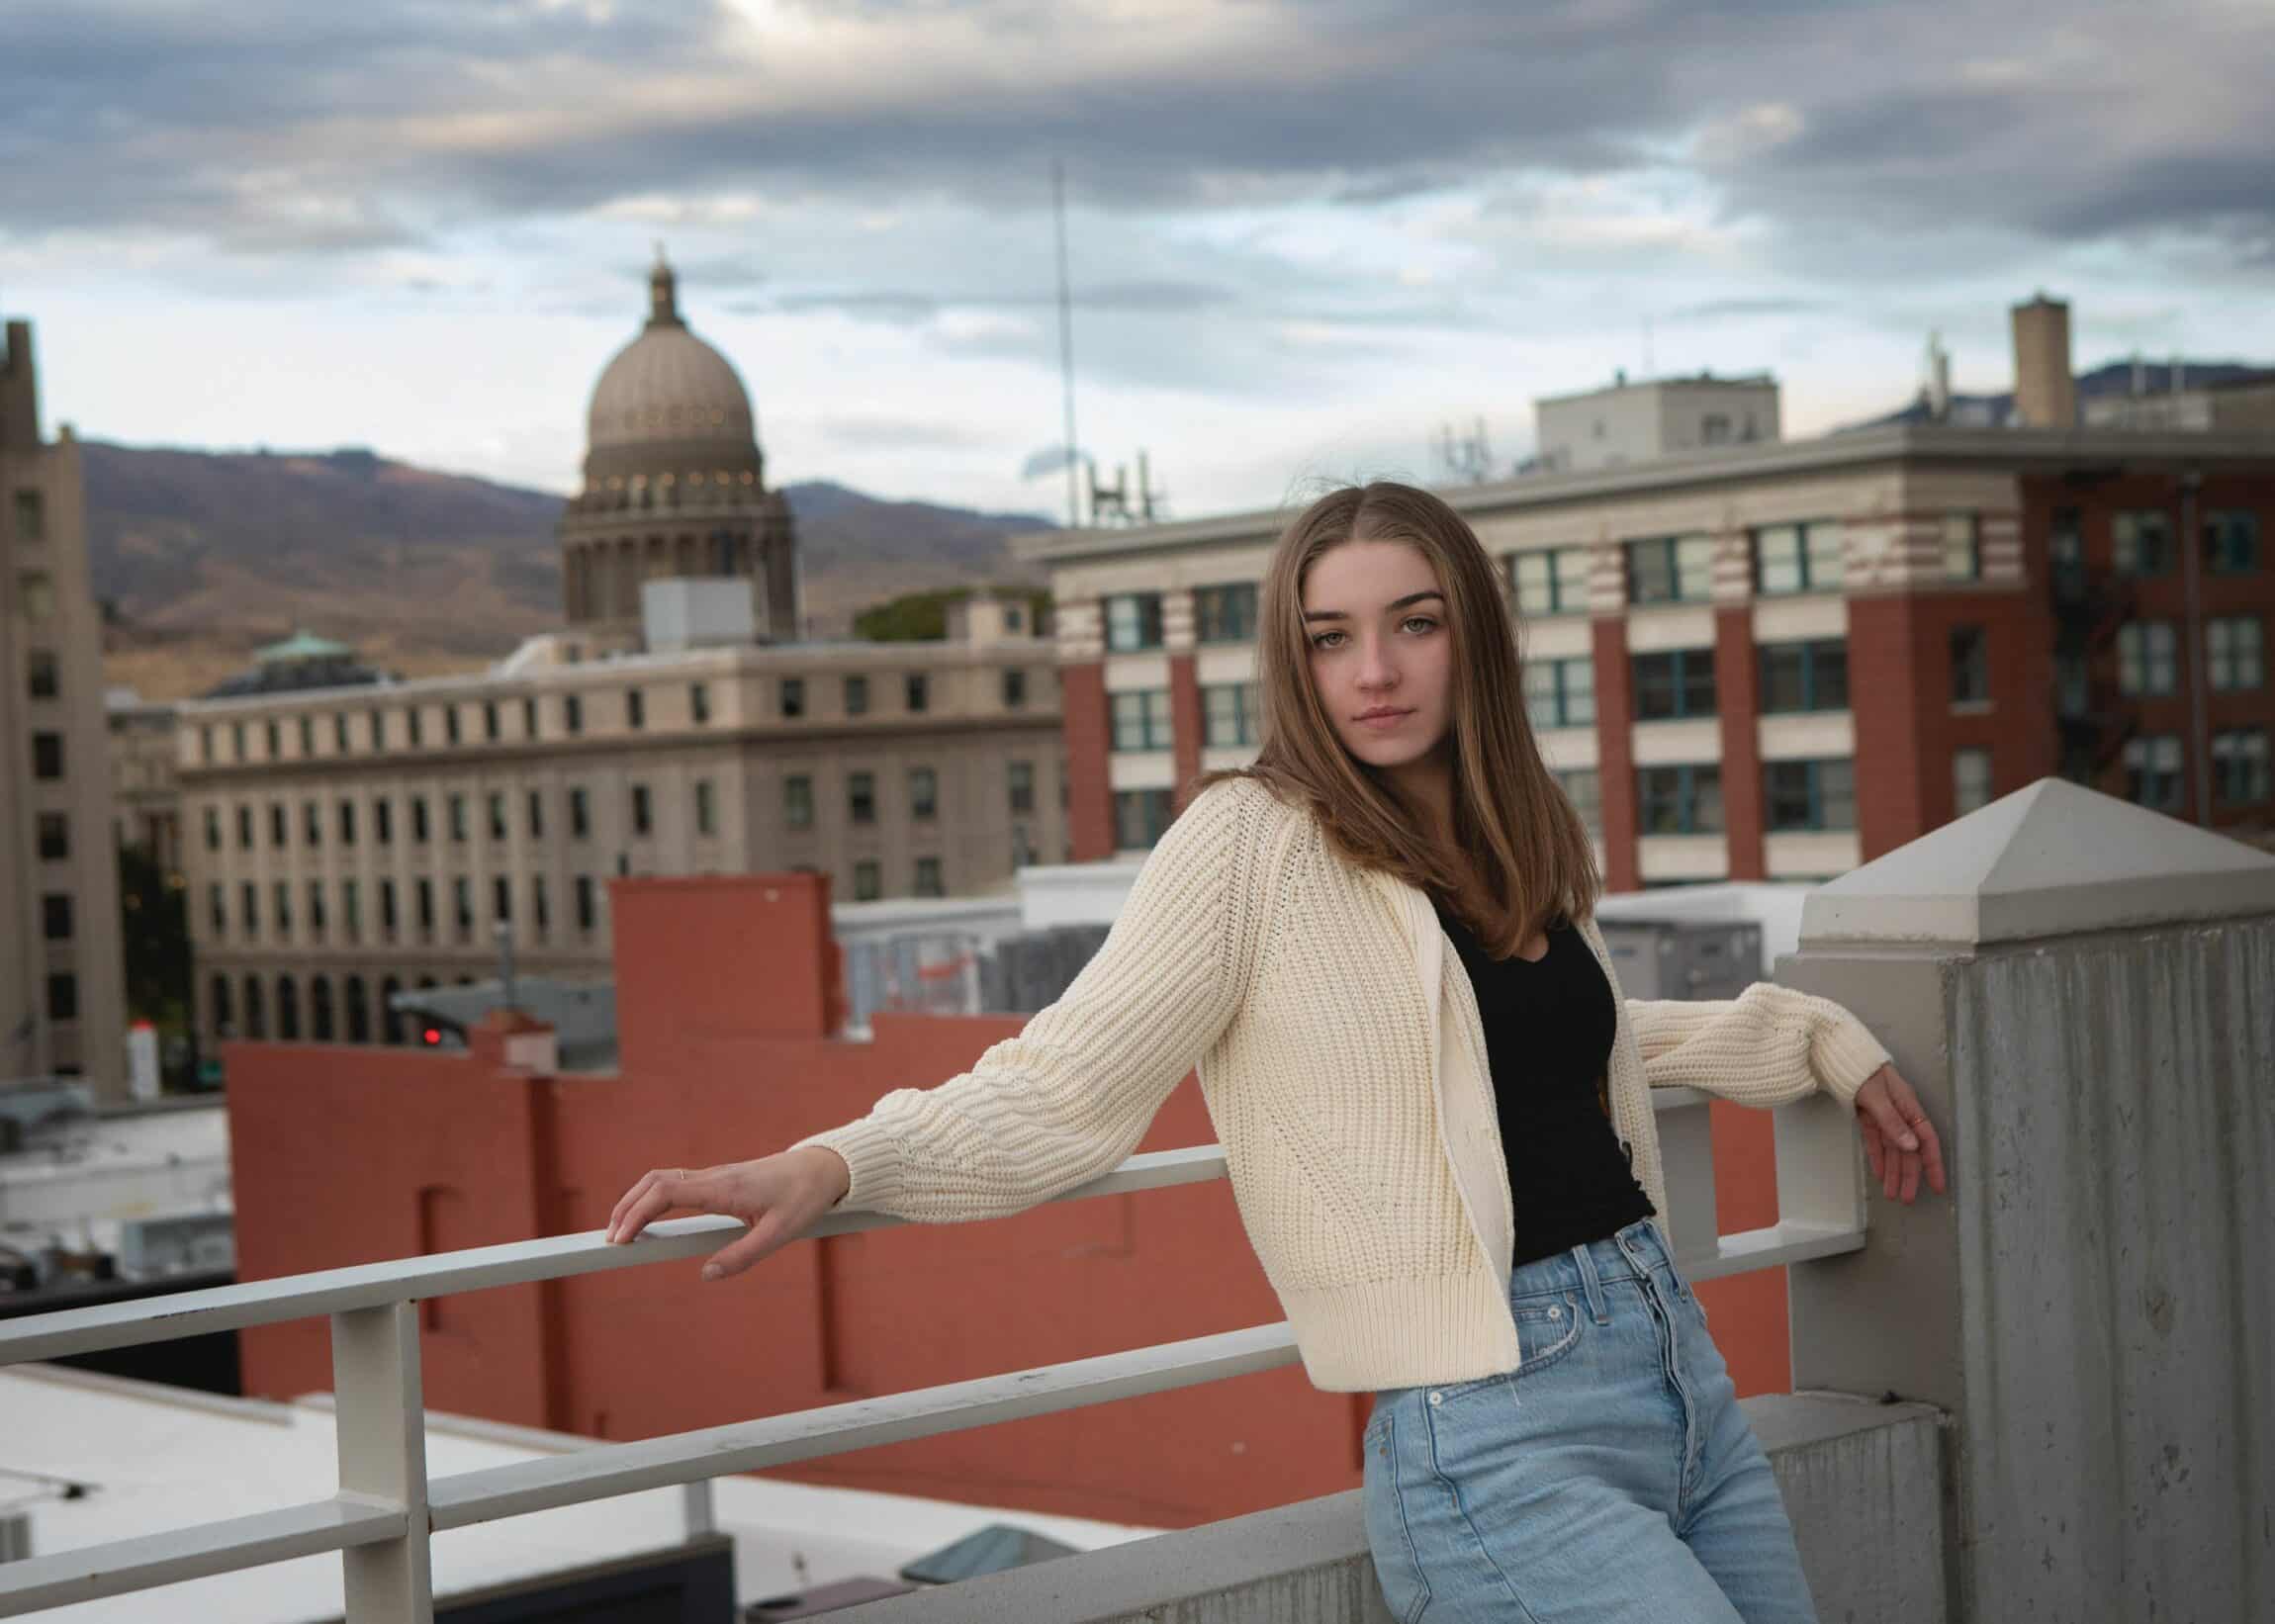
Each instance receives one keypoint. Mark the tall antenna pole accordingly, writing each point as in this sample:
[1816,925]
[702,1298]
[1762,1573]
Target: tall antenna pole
[1065,333]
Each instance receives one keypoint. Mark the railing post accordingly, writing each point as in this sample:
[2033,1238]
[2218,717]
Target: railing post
[379,1412]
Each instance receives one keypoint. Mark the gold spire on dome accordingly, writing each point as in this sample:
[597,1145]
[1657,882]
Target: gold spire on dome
[663,292]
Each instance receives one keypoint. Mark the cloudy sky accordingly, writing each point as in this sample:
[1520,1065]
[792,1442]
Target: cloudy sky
[1305,233]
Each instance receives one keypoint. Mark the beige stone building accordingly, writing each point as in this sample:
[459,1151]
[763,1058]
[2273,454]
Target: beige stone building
[62,984]
[348,836]
[144,797]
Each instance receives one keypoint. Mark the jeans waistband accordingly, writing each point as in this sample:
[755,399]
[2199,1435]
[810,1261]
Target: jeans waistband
[1628,1253]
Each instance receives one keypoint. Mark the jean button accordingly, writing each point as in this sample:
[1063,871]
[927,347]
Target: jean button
[1438,1398]
[1555,1312]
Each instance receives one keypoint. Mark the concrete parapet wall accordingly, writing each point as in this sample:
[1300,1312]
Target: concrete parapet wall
[1862,1482]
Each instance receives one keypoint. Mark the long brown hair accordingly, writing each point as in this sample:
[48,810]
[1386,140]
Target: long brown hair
[1511,821]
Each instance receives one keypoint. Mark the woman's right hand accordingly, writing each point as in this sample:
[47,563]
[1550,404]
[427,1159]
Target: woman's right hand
[778,1196]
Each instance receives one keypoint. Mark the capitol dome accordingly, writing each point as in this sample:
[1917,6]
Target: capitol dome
[666,388]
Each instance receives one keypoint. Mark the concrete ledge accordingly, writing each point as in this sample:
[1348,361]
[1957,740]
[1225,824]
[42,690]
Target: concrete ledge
[1862,1481]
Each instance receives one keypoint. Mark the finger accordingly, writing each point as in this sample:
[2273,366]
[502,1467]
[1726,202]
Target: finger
[1874,1150]
[771,1231]
[1911,1176]
[671,1192]
[1931,1152]
[1885,1110]
[625,1202]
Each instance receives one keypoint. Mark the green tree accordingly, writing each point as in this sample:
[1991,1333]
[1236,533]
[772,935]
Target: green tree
[155,921]
[922,617]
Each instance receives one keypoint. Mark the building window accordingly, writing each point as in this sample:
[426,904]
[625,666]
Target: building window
[280,826]
[1141,719]
[386,910]
[868,881]
[54,837]
[358,1010]
[351,909]
[1674,685]
[347,823]
[1798,558]
[2234,647]
[55,915]
[501,900]
[706,818]
[420,829]
[489,729]
[916,690]
[1225,614]
[213,829]
[529,716]
[462,906]
[923,792]
[248,909]
[62,997]
[579,814]
[699,702]
[338,732]
[378,729]
[635,710]
[1562,693]
[450,723]
[1014,687]
[496,810]
[1679,800]
[536,806]
[928,882]
[793,696]
[2142,542]
[383,821]
[311,821]
[573,713]
[2240,765]
[642,812]
[1970,666]
[540,911]
[1962,547]
[857,695]
[1584,791]
[1022,786]
[1140,818]
[1800,795]
[42,675]
[861,796]
[307,736]
[244,828]
[2152,771]
[1550,582]
[413,726]
[31,516]
[1671,570]
[315,907]
[272,742]
[798,802]
[217,909]
[1230,714]
[457,817]
[1971,780]
[47,755]
[2231,541]
[2148,658]
[36,596]
[585,913]
[425,900]
[1805,675]
[281,907]
[1132,621]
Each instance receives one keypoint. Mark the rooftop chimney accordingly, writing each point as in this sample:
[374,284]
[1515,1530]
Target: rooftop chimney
[2044,393]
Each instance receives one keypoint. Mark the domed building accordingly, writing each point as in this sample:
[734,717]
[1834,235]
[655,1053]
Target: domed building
[674,484]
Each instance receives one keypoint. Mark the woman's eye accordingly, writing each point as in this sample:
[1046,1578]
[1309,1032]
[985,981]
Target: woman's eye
[1319,639]
[1422,620]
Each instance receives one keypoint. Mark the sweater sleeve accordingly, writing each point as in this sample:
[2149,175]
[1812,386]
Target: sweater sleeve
[1070,1096]
[1766,1047]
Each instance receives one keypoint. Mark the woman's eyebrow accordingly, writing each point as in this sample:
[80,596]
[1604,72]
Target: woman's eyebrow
[1395,603]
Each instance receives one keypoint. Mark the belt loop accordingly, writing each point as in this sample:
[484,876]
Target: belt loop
[1591,1284]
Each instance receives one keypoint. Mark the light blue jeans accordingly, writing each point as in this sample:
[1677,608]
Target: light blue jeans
[1612,1476]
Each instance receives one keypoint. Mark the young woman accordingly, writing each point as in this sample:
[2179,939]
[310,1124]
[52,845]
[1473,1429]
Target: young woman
[1376,946]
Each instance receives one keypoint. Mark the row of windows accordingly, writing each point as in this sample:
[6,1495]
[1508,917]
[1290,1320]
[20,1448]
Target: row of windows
[2142,542]
[409,726]
[1225,614]
[2148,656]
[354,1024]
[2154,766]
[916,693]
[1230,715]
[456,808]
[1686,799]
[422,894]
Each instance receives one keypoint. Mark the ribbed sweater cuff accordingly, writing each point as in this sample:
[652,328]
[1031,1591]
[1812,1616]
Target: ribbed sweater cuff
[1845,1055]
[873,1156]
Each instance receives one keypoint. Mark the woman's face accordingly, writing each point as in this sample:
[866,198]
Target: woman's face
[1376,619]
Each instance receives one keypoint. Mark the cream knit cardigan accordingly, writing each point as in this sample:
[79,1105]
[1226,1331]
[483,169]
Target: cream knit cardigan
[1344,1068]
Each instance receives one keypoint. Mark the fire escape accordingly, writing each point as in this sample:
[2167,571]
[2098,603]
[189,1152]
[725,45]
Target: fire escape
[2094,716]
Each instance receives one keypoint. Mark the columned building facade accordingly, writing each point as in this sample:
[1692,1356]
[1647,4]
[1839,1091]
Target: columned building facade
[1770,662]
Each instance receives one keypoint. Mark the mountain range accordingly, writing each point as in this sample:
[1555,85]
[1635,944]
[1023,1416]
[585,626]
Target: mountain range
[199,557]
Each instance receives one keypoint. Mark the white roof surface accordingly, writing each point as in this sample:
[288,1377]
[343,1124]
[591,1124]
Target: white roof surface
[157,1458]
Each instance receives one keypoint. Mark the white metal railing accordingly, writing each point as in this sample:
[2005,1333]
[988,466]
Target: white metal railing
[388,1509]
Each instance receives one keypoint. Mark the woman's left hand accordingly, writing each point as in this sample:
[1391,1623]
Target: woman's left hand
[1900,1140]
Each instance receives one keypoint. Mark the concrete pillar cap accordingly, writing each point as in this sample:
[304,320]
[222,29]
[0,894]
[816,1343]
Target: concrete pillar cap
[2050,860]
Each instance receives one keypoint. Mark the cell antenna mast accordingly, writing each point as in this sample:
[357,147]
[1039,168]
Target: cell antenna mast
[1066,336]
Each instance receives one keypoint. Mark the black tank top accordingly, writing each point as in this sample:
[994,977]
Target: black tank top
[1548,1032]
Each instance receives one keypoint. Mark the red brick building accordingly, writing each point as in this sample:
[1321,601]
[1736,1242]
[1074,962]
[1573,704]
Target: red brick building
[348,1155]
[1771,661]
